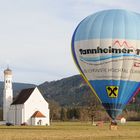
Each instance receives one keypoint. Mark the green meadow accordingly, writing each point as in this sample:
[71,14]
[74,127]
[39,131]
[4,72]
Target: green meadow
[71,131]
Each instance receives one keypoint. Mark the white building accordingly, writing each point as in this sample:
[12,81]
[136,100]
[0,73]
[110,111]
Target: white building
[29,107]
[123,120]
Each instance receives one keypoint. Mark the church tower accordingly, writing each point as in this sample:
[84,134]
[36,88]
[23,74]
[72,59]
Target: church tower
[7,93]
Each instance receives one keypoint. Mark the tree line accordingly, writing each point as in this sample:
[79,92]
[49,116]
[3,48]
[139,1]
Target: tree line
[92,112]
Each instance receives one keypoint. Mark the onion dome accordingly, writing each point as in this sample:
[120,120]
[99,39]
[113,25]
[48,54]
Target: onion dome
[8,71]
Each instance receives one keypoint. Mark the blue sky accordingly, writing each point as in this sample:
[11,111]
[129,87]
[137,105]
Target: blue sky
[35,35]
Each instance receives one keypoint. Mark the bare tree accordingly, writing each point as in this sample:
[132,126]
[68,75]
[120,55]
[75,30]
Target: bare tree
[93,109]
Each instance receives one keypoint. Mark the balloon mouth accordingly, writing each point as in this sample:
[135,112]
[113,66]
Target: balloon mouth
[113,110]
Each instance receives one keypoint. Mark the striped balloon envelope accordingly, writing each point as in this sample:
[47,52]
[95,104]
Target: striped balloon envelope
[106,49]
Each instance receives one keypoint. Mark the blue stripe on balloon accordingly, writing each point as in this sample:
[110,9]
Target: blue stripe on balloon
[120,24]
[126,90]
[95,59]
[114,106]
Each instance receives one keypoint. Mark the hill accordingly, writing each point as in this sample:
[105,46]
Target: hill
[71,91]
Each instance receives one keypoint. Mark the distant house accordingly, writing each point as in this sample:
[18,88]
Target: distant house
[29,107]
[121,119]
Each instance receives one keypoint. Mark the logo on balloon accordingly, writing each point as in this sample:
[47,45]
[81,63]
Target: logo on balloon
[112,91]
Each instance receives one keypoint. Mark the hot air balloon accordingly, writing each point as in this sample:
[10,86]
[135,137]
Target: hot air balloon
[106,50]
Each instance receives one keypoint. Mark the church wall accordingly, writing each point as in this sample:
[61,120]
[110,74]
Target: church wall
[16,114]
[7,100]
[39,121]
[36,102]
[11,114]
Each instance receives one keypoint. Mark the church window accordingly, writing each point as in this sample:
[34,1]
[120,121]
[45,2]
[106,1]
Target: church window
[39,122]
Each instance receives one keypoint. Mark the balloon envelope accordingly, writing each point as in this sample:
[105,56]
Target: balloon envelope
[106,49]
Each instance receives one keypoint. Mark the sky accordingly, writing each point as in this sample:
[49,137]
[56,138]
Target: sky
[35,35]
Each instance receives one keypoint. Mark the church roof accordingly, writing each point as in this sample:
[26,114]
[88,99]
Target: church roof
[37,114]
[23,96]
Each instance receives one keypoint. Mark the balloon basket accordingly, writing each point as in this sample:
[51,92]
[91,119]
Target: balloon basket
[113,125]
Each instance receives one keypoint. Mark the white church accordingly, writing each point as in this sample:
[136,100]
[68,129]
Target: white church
[29,107]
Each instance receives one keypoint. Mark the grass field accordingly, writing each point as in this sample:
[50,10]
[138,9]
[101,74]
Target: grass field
[71,131]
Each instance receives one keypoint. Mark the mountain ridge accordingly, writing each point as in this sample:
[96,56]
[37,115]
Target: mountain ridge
[70,91]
